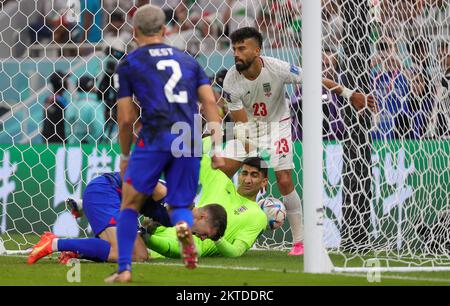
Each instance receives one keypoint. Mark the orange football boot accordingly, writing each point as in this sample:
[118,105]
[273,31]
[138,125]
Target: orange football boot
[42,248]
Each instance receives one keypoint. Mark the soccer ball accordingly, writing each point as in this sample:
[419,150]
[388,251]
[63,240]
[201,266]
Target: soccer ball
[274,210]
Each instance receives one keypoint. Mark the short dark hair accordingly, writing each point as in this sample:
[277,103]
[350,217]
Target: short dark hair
[258,163]
[217,218]
[245,33]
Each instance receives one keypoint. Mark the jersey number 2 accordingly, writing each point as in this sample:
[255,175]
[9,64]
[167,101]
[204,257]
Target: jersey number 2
[172,97]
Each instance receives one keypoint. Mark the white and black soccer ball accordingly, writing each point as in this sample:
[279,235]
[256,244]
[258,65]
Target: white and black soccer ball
[274,210]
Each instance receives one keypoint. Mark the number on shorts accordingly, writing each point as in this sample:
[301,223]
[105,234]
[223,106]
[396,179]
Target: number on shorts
[282,146]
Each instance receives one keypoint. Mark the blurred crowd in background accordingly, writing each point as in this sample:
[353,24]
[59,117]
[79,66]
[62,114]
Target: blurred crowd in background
[409,66]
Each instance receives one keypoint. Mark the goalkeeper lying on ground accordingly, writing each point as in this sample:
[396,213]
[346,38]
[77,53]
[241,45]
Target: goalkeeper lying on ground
[101,205]
[245,219]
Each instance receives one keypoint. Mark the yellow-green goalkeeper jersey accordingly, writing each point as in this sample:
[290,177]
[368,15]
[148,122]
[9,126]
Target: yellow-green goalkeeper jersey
[245,219]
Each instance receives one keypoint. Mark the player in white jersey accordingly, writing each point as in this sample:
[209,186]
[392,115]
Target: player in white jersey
[254,90]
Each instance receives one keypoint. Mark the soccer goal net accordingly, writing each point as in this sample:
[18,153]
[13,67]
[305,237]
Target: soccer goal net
[386,176]
[385,181]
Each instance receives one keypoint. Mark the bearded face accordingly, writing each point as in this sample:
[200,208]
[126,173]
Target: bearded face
[242,65]
[245,53]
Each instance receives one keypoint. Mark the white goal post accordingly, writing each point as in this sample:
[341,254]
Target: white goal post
[404,231]
[315,259]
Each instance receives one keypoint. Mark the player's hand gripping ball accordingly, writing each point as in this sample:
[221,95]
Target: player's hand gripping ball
[274,210]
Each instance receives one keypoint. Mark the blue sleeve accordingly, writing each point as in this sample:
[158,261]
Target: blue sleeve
[202,78]
[125,89]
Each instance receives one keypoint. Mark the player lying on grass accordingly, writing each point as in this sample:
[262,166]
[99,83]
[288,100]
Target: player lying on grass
[245,219]
[101,205]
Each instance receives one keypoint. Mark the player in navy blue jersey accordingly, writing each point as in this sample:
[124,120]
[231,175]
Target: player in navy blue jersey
[168,84]
[101,205]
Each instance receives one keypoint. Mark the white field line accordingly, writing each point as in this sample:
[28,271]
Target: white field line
[238,268]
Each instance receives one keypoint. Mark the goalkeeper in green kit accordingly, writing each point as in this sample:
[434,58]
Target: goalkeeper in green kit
[245,219]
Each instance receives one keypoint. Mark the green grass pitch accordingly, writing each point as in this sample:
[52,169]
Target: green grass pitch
[255,268]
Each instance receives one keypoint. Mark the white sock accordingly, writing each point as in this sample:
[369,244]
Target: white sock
[79,204]
[55,245]
[295,215]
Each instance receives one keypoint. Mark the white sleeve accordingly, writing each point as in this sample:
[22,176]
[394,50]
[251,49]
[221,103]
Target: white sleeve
[290,74]
[230,94]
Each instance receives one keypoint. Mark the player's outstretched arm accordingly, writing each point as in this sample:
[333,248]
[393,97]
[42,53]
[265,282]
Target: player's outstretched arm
[126,116]
[358,100]
[227,249]
[165,246]
[214,122]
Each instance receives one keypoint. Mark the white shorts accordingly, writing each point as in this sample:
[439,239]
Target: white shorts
[275,148]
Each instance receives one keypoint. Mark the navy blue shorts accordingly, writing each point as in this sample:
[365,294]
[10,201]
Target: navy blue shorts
[181,174]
